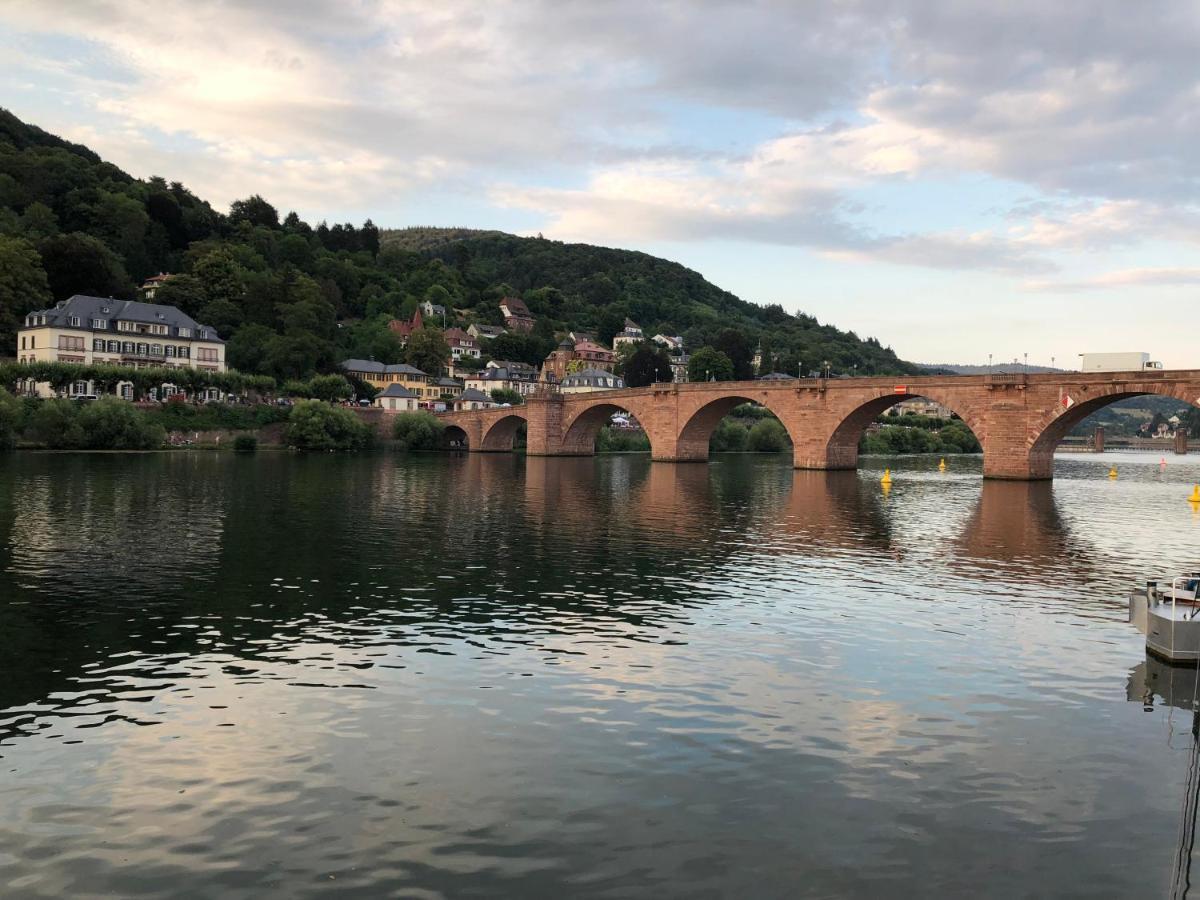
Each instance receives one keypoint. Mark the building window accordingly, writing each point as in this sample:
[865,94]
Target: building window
[69,343]
[101,324]
[156,350]
[185,332]
[128,347]
[22,342]
[184,352]
[73,321]
[206,354]
[32,342]
[114,346]
[98,345]
[142,349]
[170,350]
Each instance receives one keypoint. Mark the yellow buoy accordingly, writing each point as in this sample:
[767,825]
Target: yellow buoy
[1112,473]
[1195,498]
[887,477]
[942,465]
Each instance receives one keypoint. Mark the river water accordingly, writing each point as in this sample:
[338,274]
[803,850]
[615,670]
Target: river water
[475,676]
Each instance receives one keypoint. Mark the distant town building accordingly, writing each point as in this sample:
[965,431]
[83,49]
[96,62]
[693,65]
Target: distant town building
[448,387]
[500,378]
[435,311]
[630,334]
[379,375]
[481,332]
[403,330]
[776,376]
[100,330]
[517,315]
[151,285]
[518,369]
[474,399]
[921,407]
[461,344]
[397,398]
[673,344]
[572,357]
[679,369]
[587,380]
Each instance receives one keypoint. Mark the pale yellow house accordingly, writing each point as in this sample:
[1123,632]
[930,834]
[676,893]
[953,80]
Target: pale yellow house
[104,331]
[382,375]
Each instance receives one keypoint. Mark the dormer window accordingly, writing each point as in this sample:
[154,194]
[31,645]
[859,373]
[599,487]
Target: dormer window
[74,321]
[185,332]
[101,324]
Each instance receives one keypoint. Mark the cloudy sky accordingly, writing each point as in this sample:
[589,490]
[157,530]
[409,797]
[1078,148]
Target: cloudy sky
[959,179]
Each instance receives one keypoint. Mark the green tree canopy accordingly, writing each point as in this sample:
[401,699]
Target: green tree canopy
[427,350]
[647,364]
[707,364]
[23,287]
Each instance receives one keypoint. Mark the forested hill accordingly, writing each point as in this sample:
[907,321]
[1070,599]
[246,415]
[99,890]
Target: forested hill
[293,298]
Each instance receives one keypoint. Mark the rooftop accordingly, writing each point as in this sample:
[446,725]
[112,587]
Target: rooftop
[87,308]
[378,368]
[399,391]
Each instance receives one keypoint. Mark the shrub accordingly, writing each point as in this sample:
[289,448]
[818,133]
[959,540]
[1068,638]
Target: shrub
[314,425]
[611,440]
[114,424]
[507,395]
[768,436]
[11,414]
[55,424]
[727,437]
[417,431]
[215,416]
[245,443]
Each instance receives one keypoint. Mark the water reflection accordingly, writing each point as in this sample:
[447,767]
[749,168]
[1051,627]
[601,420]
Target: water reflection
[480,674]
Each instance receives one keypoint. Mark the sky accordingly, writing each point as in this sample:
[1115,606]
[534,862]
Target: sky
[962,180]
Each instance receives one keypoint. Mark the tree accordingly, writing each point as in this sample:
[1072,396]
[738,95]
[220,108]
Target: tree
[247,350]
[736,345]
[221,315]
[10,419]
[254,210]
[315,426]
[185,292]
[23,287]
[707,364]
[767,364]
[648,364]
[78,263]
[368,237]
[417,431]
[220,276]
[427,350]
[507,395]
[768,436]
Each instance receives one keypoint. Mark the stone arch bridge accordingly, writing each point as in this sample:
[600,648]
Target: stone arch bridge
[1018,418]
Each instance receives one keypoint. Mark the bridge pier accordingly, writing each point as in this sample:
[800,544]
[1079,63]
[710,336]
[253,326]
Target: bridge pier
[1181,439]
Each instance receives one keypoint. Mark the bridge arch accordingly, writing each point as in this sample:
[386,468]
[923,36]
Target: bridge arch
[498,435]
[841,447]
[1055,424]
[455,437]
[579,433]
[693,440]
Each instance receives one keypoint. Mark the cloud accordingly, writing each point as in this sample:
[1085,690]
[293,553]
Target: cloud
[1122,278]
[613,120]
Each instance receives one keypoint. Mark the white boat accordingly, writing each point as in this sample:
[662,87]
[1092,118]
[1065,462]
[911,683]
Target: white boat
[1168,613]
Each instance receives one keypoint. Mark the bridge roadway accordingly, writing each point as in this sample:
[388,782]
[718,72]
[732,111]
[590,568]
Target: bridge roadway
[1018,418]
